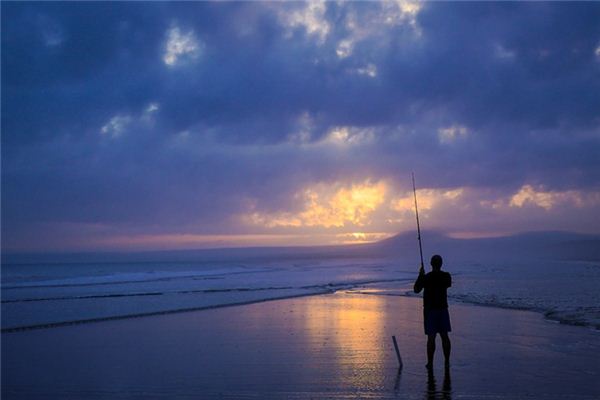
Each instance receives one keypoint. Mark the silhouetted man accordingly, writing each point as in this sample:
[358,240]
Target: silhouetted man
[435,307]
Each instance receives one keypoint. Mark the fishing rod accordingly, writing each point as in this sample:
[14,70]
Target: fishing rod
[418,225]
[422,266]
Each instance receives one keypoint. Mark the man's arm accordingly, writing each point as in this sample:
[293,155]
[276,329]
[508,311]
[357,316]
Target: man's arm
[449,283]
[420,282]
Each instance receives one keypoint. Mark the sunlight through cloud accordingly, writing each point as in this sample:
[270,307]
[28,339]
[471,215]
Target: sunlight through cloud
[328,207]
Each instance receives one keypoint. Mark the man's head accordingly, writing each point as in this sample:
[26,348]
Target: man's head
[436,262]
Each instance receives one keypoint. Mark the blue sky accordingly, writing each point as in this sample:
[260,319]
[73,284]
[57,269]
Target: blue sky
[146,125]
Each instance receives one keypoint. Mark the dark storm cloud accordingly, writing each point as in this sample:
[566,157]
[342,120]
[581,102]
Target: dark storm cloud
[552,77]
[79,144]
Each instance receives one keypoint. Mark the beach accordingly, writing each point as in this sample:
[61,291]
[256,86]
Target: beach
[324,346]
[251,199]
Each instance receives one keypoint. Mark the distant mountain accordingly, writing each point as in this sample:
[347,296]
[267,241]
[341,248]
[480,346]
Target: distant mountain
[555,245]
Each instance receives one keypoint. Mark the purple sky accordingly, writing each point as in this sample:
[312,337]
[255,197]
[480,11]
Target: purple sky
[154,125]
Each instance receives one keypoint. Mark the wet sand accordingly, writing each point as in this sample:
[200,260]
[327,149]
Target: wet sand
[334,346]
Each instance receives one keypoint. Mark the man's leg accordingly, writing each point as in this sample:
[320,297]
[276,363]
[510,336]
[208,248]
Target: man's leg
[446,346]
[430,350]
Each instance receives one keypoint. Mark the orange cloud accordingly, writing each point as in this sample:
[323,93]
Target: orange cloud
[545,199]
[328,206]
[426,199]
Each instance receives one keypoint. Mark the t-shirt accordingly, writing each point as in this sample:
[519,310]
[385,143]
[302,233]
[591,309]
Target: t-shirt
[435,284]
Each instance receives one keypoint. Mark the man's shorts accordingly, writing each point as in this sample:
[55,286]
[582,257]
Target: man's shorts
[436,321]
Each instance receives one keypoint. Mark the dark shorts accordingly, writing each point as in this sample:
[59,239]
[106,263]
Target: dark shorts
[436,321]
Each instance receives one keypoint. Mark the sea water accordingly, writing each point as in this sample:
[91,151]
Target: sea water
[38,294]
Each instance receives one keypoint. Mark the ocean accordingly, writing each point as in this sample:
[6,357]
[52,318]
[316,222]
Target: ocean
[43,294]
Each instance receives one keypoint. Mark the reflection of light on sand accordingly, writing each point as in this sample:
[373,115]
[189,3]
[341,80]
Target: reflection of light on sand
[355,326]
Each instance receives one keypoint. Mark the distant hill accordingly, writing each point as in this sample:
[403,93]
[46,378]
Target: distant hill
[555,245]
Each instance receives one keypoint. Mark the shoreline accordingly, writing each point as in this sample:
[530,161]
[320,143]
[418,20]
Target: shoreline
[546,314]
[151,314]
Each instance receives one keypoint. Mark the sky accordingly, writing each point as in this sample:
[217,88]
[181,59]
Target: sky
[148,125]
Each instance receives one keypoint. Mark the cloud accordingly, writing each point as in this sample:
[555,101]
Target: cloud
[402,11]
[310,16]
[427,199]
[116,126]
[327,206]
[369,70]
[119,124]
[547,200]
[114,122]
[503,54]
[364,26]
[180,47]
[452,133]
[344,135]
[152,107]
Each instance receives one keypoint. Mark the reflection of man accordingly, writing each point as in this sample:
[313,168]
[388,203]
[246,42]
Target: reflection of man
[432,392]
[435,307]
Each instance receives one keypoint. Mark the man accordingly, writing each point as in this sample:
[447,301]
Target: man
[435,307]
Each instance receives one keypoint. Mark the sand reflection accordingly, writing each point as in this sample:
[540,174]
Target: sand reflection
[351,330]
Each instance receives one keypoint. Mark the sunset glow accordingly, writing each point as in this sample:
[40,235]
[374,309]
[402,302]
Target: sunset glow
[293,123]
[327,207]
